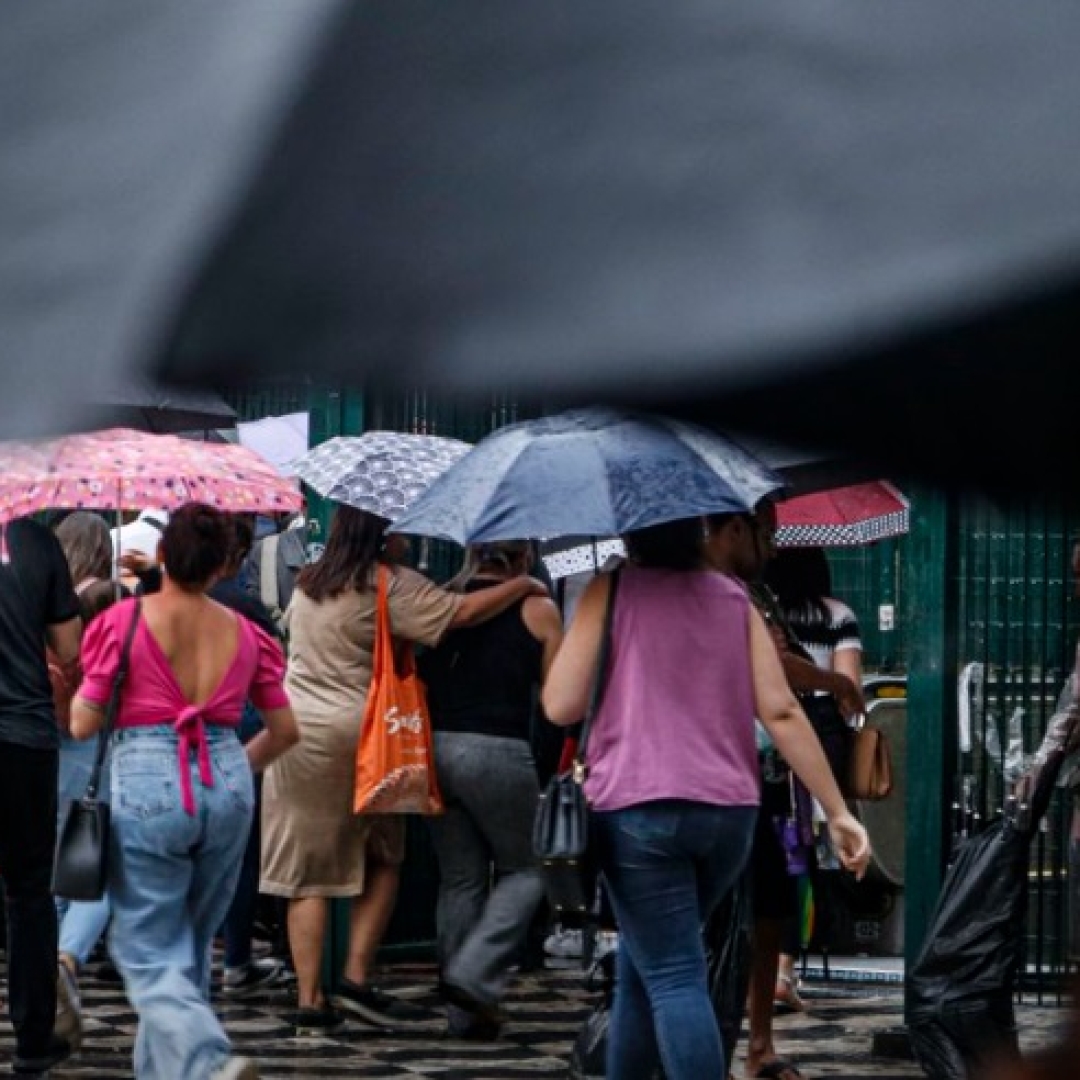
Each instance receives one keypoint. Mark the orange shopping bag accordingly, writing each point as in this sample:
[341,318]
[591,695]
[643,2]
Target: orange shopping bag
[395,765]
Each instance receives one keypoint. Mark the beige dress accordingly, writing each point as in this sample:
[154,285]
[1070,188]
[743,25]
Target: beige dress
[312,842]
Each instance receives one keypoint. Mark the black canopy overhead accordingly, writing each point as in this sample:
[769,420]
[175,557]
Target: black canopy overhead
[170,411]
[854,224]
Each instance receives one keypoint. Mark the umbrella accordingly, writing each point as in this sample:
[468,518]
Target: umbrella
[120,469]
[160,409]
[596,471]
[842,516]
[380,471]
[832,222]
[279,439]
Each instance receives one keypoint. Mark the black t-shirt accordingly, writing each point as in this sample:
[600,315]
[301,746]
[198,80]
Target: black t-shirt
[35,592]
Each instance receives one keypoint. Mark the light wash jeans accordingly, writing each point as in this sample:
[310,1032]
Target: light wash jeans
[172,878]
[489,880]
[82,923]
[667,864]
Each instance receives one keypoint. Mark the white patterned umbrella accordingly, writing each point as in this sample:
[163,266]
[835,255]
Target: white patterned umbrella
[382,472]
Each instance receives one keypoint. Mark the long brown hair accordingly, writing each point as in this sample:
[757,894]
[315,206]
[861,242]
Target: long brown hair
[87,546]
[353,547]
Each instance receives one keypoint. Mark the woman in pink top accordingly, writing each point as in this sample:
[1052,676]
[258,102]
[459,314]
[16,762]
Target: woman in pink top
[673,778]
[182,791]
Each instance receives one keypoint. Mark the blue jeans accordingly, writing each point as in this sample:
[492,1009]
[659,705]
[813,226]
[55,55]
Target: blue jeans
[82,923]
[172,877]
[667,864]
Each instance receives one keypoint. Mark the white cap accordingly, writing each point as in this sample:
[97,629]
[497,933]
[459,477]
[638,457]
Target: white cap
[143,534]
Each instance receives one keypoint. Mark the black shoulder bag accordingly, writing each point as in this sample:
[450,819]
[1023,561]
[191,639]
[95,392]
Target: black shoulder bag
[561,827]
[80,863]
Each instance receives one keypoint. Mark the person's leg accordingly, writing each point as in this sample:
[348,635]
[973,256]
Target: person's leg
[369,916]
[28,785]
[774,903]
[162,956]
[462,853]
[667,864]
[307,921]
[500,791]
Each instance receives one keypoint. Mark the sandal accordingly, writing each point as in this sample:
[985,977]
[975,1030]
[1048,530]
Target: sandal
[786,995]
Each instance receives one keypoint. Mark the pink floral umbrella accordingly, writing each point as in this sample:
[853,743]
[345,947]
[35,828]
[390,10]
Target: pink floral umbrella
[122,469]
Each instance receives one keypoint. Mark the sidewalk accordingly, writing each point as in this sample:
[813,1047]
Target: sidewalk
[832,1039]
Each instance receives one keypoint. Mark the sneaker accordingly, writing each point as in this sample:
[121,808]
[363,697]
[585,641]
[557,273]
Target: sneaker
[58,1050]
[564,944]
[374,1006]
[69,1023]
[322,1021]
[463,1024]
[237,1068]
[252,976]
[606,941]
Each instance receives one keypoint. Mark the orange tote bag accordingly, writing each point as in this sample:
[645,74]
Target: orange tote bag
[395,763]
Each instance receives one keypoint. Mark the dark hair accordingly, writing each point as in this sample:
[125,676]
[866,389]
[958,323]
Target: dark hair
[505,556]
[800,576]
[241,537]
[99,596]
[353,547]
[671,545]
[87,546]
[195,544]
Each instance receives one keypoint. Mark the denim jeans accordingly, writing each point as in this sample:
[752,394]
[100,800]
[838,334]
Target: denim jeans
[172,877]
[27,840]
[82,923]
[667,864]
[489,881]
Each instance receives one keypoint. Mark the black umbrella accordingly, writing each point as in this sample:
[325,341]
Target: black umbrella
[849,223]
[161,410]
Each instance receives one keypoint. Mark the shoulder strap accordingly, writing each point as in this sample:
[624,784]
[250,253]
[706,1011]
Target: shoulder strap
[113,704]
[600,674]
[268,584]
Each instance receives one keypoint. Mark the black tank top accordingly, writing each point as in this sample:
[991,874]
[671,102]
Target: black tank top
[482,679]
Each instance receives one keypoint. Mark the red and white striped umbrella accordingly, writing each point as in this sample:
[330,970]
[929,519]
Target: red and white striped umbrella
[123,469]
[842,516]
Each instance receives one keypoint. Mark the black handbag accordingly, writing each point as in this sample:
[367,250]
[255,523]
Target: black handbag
[80,862]
[561,826]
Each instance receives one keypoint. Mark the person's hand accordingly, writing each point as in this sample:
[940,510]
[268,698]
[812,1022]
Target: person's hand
[851,843]
[849,698]
[135,561]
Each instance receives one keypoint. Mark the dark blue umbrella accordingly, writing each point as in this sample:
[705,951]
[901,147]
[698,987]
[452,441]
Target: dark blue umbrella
[596,471]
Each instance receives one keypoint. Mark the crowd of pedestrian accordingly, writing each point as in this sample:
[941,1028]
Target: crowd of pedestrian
[232,767]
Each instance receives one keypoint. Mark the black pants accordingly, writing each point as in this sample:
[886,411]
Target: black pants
[28,781]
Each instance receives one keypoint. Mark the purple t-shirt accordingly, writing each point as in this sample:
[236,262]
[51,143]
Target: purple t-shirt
[676,720]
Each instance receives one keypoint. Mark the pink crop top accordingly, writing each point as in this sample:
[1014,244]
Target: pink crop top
[151,695]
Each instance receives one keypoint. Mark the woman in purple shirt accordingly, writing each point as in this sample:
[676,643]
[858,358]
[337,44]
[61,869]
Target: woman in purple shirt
[673,778]
[182,791]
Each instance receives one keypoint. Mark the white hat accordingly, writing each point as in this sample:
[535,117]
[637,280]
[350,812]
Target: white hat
[143,534]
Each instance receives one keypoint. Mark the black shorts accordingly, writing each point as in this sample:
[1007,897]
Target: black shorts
[775,891]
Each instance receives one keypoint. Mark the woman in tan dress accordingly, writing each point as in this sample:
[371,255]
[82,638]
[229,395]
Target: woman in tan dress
[314,847]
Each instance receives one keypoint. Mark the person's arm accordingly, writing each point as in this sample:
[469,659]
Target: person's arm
[64,638]
[87,718]
[477,607]
[565,696]
[804,676]
[280,733]
[788,727]
[543,621]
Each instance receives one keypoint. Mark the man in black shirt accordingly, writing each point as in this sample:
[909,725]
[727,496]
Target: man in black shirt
[38,606]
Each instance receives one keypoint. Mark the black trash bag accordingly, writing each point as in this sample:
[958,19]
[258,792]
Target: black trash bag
[727,947]
[588,1055]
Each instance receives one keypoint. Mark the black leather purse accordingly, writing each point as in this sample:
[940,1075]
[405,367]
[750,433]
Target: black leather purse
[80,863]
[561,838]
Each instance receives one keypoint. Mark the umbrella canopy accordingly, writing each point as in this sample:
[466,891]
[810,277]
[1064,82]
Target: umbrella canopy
[843,516]
[160,409]
[121,469]
[279,439]
[833,222]
[596,471]
[383,472]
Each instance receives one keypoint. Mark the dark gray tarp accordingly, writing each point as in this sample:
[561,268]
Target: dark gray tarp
[857,223]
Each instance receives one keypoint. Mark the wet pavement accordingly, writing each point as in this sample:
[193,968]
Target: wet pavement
[835,1037]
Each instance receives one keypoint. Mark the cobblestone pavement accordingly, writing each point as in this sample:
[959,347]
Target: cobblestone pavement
[545,1011]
